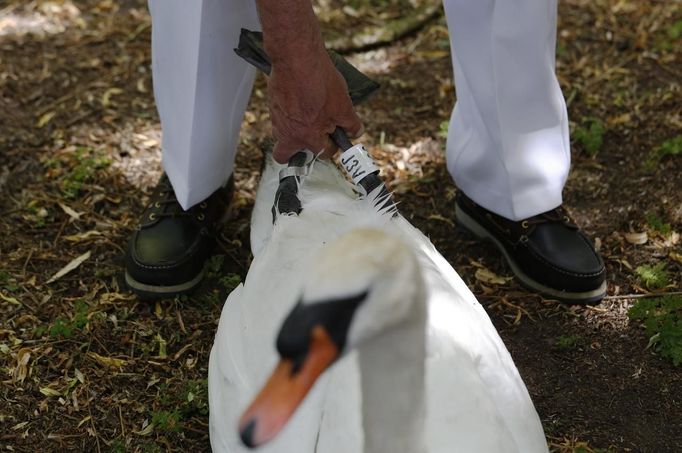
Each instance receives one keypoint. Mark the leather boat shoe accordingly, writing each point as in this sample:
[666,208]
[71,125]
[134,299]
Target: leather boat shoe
[547,252]
[167,253]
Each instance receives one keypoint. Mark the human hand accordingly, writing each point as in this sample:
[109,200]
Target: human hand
[308,99]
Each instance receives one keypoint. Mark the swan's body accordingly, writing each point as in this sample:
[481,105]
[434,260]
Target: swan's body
[464,394]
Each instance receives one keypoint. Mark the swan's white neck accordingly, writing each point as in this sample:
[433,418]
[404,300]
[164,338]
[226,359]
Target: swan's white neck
[392,379]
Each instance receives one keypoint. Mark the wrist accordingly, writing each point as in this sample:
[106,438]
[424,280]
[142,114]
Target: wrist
[291,32]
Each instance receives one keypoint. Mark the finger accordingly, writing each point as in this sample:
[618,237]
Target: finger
[329,149]
[352,125]
[283,151]
[321,144]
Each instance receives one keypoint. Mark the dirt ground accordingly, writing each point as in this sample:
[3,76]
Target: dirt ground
[86,366]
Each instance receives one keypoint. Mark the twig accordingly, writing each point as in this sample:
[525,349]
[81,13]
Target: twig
[23,269]
[642,296]
[92,424]
[120,417]
[384,34]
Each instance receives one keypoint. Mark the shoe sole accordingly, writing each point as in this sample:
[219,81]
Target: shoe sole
[582,298]
[147,291]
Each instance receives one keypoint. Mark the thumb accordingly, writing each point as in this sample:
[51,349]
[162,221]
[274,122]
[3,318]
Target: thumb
[283,151]
[352,124]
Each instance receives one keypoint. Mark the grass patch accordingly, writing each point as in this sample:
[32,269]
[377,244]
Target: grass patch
[66,328]
[195,398]
[655,223]
[214,266]
[653,277]
[672,147]
[667,41]
[662,319]
[590,135]
[568,342]
[76,169]
[7,282]
[443,129]
[150,447]
[37,215]
[230,281]
[180,401]
[117,446]
[167,421]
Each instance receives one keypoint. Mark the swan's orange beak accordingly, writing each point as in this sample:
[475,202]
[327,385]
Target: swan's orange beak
[285,390]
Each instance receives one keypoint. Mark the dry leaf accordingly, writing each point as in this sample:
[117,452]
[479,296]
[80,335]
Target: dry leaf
[140,85]
[82,236]
[47,391]
[69,267]
[676,257]
[83,421]
[19,426]
[487,276]
[113,297]
[106,97]
[147,429]
[433,54]
[43,120]
[625,263]
[73,214]
[21,370]
[10,299]
[637,238]
[442,219]
[619,119]
[107,361]
[162,346]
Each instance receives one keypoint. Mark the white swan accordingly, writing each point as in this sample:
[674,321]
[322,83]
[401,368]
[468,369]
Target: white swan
[424,369]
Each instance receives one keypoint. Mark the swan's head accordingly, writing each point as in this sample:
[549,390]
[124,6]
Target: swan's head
[361,285]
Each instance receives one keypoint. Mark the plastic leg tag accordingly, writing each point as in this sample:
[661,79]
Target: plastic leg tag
[358,163]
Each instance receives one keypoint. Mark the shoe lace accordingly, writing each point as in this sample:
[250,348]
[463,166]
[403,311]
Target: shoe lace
[163,203]
[521,230]
[558,214]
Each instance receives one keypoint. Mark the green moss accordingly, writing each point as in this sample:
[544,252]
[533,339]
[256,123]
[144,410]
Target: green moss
[167,421]
[230,281]
[653,277]
[662,319]
[568,342]
[669,148]
[590,135]
[66,328]
[214,266]
[657,224]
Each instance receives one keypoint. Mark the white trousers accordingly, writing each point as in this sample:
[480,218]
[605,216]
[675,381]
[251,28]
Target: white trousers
[507,148]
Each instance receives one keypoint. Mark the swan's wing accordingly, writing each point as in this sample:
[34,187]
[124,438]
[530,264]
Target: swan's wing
[261,216]
[341,425]
[456,318]
[227,383]
[462,415]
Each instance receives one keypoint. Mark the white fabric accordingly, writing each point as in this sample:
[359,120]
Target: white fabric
[201,88]
[508,146]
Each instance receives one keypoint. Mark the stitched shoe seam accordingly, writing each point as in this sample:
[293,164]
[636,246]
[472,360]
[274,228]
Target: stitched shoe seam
[565,271]
[182,262]
[553,266]
[539,257]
